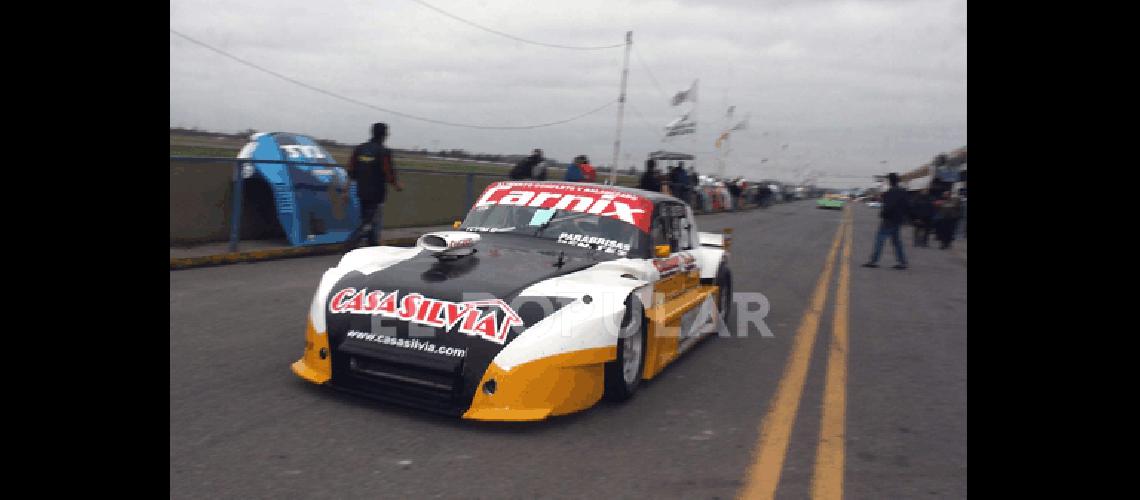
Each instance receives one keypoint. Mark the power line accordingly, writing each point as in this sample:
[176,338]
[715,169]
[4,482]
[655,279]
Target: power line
[652,129]
[651,77]
[398,113]
[512,37]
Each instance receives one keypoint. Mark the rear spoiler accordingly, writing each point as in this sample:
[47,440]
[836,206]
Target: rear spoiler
[716,240]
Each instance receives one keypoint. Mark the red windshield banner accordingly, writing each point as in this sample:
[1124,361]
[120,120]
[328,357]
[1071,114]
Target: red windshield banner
[599,200]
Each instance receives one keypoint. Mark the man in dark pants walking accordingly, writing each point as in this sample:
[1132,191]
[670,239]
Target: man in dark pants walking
[893,214]
[371,167]
[946,219]
[922,211]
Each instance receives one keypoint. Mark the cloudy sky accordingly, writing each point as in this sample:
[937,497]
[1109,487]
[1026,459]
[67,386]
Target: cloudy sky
[853,88]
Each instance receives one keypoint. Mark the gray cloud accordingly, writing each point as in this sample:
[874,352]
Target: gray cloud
[847,84]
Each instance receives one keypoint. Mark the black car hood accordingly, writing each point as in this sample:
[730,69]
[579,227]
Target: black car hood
[502,267]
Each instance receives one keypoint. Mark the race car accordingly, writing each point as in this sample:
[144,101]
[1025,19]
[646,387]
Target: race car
[833,201]
[547,297]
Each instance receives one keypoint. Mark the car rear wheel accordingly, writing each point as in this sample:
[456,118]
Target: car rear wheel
[623,375]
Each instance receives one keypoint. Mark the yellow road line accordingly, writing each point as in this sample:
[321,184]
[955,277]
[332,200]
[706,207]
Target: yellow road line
[776,428]
[827,479]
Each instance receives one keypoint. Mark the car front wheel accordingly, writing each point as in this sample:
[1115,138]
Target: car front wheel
[724,290]
[623,375]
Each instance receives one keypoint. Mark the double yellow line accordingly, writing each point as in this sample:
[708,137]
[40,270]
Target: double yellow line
[775,430]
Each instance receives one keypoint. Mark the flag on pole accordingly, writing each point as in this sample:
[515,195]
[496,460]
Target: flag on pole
[683,119]
[680,126]
[723,137]
[731,109]
[686,95]
[690,129]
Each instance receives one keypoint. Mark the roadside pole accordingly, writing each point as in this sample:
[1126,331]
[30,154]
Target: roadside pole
[235,221]
[621,109]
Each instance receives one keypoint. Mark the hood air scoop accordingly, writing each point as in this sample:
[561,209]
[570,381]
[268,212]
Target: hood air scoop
[449,245]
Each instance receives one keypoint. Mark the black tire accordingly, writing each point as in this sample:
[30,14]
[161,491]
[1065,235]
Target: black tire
[632,323]
[724,281]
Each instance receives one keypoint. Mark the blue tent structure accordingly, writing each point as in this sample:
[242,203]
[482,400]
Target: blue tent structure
[308,198]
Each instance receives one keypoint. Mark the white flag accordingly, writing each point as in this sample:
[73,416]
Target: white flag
[686,95]
[678,121]
[682,129]
[680,126]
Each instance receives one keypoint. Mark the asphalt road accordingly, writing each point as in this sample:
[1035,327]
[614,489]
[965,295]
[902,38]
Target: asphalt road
[243,426]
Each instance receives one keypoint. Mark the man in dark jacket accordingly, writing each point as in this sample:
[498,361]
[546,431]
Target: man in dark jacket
[574,171]
[764,196]
[525,169]
[734,190]
[922,212]
[651,179]
[371,167]
[947,211]
[679,182]
[894,214]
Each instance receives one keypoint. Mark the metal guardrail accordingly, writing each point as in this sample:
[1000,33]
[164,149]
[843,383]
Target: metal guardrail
[238,183]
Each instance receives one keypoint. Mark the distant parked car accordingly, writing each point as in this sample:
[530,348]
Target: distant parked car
[831,201]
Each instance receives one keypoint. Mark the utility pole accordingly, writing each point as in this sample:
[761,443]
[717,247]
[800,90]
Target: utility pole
[727,151]
[621,108]
[722,140]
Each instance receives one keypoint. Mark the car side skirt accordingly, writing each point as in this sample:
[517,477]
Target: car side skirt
[664,335]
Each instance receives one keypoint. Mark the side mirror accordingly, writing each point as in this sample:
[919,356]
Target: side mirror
[456,224]
[661,251]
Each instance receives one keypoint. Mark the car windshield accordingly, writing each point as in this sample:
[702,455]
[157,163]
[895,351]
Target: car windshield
[607,235]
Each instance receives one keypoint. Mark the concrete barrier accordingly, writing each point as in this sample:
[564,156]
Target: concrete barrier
[431,199]
[201,201]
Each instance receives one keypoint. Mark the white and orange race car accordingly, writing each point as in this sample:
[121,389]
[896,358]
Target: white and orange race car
[548,296]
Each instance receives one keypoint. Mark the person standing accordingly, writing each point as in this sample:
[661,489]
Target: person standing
[922,213]
[540,171]
[679,181]
[371,167]
[574,172]
[893,215]
[525,168]
[946,219]
[650,180]
[589,174]
[764,196]
[734,191]
[962,197]
[694,188]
